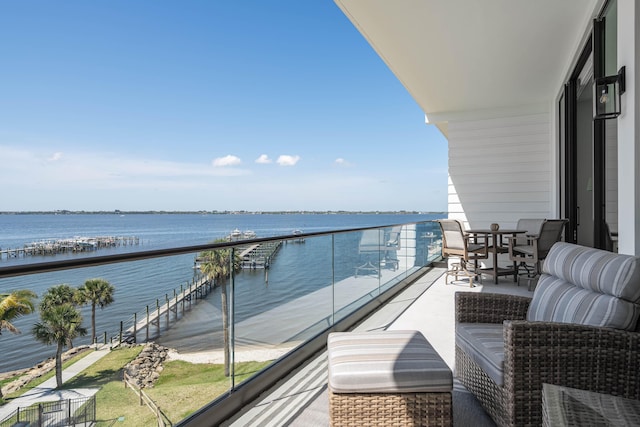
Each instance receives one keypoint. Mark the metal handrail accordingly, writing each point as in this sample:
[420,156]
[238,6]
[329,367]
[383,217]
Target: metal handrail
[44,267]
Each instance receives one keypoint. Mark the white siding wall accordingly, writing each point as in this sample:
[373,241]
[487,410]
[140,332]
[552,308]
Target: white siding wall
[500,170]
[629,129]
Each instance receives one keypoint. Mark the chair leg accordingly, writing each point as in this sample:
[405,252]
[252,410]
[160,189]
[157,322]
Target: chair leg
[457,269]
[452,270]
[467,272]
[534,279]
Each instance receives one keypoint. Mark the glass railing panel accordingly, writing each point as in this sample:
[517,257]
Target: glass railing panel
[397,255]
[282,295]
[278,308]
[429,238]
[358,271]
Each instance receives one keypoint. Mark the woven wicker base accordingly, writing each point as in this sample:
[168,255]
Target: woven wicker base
[488,393]
[401,409]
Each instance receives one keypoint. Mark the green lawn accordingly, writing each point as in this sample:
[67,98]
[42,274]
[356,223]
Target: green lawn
[181,389]
[184,387]
[113,401]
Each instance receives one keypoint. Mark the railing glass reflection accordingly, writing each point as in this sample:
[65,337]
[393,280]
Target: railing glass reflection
[267,306]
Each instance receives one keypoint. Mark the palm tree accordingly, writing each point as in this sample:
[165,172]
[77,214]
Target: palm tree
[216,265]
[58,295]
[59,324]
[14,305]
[97,292]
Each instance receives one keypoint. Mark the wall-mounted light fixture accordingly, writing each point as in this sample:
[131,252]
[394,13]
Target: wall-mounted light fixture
[606,97]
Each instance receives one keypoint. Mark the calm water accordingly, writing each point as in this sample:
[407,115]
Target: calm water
[142,283]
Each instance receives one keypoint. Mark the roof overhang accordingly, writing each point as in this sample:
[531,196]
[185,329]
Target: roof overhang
[456,57]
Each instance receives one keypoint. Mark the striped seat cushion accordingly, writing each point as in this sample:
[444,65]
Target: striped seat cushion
[587,286]
[484,344]
[385,362]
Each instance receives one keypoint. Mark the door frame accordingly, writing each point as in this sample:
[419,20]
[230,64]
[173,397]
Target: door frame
[569,204]
[570,192]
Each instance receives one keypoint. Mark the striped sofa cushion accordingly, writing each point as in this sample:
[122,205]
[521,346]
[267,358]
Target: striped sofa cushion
[596,270]
[385,362]
[587,286]
[555,300]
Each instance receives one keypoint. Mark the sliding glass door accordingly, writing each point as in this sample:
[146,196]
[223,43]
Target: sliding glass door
[588,147]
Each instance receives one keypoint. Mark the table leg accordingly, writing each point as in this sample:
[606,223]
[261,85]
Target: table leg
[495,261]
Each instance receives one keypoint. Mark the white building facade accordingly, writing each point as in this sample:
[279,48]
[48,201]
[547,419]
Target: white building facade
[510,83]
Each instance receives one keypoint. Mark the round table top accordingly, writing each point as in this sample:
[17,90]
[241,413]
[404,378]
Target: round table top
[498,231]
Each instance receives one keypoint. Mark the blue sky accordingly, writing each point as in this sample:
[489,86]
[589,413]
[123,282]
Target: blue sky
[190,105]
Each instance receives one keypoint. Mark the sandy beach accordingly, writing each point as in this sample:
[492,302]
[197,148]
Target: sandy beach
[243,354]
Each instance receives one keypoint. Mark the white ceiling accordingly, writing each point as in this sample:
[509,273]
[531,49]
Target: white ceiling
[458,56]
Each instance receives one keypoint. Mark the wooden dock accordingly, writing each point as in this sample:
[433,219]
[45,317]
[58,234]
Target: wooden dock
[259,255]
[254,256]
[161,316]
[69,245]
[153,320]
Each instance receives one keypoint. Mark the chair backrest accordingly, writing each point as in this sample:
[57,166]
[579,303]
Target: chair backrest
[608,237]
[550,233]
[393,237]
[371,240]
[452,234]
[531,226]
[587,286]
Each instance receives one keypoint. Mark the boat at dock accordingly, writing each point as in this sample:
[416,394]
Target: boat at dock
[236,235]
[298,239]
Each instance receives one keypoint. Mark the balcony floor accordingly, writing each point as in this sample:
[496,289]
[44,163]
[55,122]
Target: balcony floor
[428,306]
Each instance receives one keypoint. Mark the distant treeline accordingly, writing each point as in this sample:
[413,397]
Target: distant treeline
[119,212]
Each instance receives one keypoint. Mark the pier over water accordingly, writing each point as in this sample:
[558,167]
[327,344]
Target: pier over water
[69,245]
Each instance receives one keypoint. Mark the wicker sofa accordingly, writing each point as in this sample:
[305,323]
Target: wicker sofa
[580,330]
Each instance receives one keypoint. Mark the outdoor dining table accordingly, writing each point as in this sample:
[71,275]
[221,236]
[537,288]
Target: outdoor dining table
[496,246]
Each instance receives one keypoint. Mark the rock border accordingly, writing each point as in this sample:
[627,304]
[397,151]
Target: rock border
[30,374]
[145,369]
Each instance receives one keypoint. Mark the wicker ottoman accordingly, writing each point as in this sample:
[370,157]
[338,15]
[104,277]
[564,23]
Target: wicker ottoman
[387,378]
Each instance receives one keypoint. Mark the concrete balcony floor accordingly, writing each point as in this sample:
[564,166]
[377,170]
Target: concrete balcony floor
[428,306]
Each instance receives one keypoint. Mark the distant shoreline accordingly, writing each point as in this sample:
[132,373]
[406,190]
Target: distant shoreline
[119,212]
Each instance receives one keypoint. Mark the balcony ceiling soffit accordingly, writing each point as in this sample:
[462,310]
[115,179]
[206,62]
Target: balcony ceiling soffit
[455,56]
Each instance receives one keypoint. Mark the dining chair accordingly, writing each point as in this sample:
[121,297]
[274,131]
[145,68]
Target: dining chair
[611,242]
[531,226]
[371,243]
[536,248]
[456,243]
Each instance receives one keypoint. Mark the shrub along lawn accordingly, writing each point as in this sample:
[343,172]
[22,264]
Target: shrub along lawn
[185,387]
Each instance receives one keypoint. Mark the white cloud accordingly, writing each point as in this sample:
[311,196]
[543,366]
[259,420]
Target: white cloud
[55,157]
[263,159]
[227,160]
[101,170]
[342,162]
[286,160]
